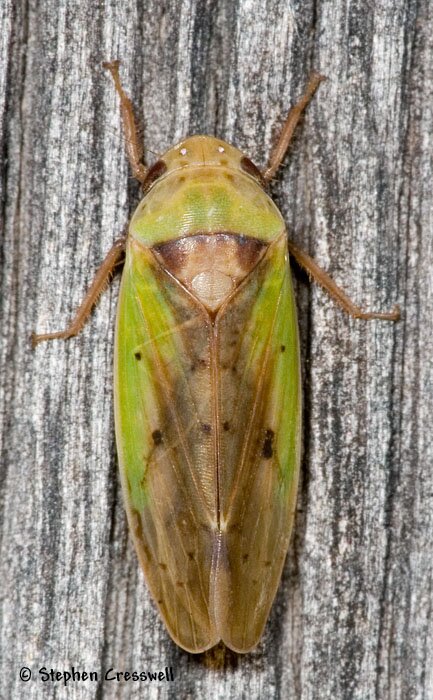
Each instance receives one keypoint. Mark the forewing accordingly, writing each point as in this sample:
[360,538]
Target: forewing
[165,443]
[259,413]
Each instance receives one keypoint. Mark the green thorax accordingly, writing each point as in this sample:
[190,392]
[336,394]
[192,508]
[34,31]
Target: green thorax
[205,199]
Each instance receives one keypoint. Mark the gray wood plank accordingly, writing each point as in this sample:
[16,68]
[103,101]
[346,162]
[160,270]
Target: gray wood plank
[352,618]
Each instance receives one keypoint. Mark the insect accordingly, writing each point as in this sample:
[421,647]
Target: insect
[207,381]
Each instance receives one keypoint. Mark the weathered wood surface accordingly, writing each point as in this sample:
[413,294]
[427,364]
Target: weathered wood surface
[353,617]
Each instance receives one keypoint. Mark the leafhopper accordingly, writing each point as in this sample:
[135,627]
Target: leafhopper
[207,381]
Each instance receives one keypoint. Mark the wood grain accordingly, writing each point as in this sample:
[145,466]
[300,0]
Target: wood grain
[353,616]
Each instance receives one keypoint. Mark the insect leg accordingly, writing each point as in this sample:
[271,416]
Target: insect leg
[101,278]
[134,149]
[293,117]
[334,291]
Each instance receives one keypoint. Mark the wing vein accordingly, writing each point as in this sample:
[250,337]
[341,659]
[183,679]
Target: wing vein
[165,385]
[257,400]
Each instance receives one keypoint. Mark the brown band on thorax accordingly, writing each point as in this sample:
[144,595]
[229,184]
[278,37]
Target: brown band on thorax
[211,266]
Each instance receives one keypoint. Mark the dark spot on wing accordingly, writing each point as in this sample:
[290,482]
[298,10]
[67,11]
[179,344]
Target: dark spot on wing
[226,425]
[162,565]
[157,437]
[283,347]
[180,583]
[138,529]
[137,355]
[245,557]
[206,427]
[191,556]
[268,449]
[183,522]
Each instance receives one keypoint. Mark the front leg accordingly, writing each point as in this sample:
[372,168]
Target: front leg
[134,149]
[286,135]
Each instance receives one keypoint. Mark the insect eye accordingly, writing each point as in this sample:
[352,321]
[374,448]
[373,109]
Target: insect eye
[248,166]
[154,173]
